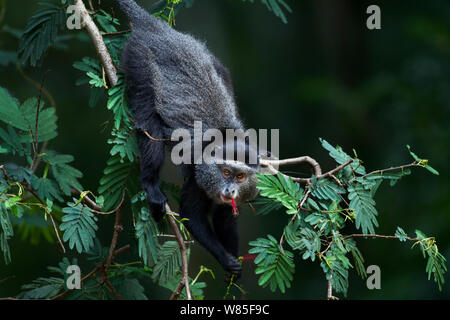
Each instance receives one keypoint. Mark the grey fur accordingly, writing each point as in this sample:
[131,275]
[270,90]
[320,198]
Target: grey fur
[172,81]
[187,85]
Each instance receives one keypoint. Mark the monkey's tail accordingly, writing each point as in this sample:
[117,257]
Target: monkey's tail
[133,11]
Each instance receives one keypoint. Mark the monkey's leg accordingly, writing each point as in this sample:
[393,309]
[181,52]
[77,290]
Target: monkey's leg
[225,226]
[152,158]
[194,206]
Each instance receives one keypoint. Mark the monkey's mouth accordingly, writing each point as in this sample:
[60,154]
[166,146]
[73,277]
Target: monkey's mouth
[225,199]
[229,200]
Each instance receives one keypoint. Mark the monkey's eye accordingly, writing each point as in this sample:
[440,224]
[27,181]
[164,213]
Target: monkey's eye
[226,172]
[241,176]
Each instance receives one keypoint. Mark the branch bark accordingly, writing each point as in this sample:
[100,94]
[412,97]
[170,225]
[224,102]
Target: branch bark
[271,164]
[184,282]
[97,39]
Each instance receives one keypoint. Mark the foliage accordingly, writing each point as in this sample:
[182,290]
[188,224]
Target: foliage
[37,187]
[169,261]
[275,266]
[41,32]
[146,231]
[315,230]
[79,225]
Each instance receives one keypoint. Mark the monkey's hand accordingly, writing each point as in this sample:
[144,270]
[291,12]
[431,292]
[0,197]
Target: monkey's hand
[156,201]
[233,266]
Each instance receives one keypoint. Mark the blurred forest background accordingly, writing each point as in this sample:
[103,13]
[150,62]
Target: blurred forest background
[323,74]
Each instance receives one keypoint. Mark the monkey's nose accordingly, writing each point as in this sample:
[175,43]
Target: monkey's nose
[230,192]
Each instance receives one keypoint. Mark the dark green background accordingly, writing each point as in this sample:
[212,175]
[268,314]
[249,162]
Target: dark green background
[324,74]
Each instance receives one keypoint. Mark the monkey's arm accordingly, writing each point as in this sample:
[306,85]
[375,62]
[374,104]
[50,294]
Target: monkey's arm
[194,206]
[225,226]
[152,158]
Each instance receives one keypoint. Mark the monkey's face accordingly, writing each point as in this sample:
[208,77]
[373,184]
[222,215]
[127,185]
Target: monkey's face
[229,180]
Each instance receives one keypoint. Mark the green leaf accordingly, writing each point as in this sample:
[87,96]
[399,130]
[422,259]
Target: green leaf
[168,263]
[266,205]
[363,205]
[106,21]
[18,173]
[422,162]
[359,262]
[13,143]
[9,109]
[23,117]
[130,289]
[335,265]
[275,267]
[436,262]
[66,175]
[341,157]
[117,102]
[124,144]
[92,67]
[46,121]
[42,288]
[6,232]
[46,188]
[41,32]
[46,288]
[79,225]
[146,231]
[432,170]
[114,181]
[401,234]
[326,189]
[413,154]
[281,189]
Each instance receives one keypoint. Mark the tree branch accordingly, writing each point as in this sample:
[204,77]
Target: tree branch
[86,198]
[379,236]
[270,166]
[184,282]
[97,39]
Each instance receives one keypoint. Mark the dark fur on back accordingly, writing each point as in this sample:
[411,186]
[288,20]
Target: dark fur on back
[174,75]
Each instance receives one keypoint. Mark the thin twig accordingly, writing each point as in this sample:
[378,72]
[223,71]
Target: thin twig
[86,198]
[7,278]
[49,97]
[184,282]
[357,235]
[115,33]
[360,235]
[38,106]
[113,210]
[117,229]
[29,189]
[51,217]
[414,164]
[299,207]
[270,165]
[154,139]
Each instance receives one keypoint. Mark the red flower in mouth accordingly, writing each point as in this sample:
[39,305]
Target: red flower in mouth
[249,257]
[233,204]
